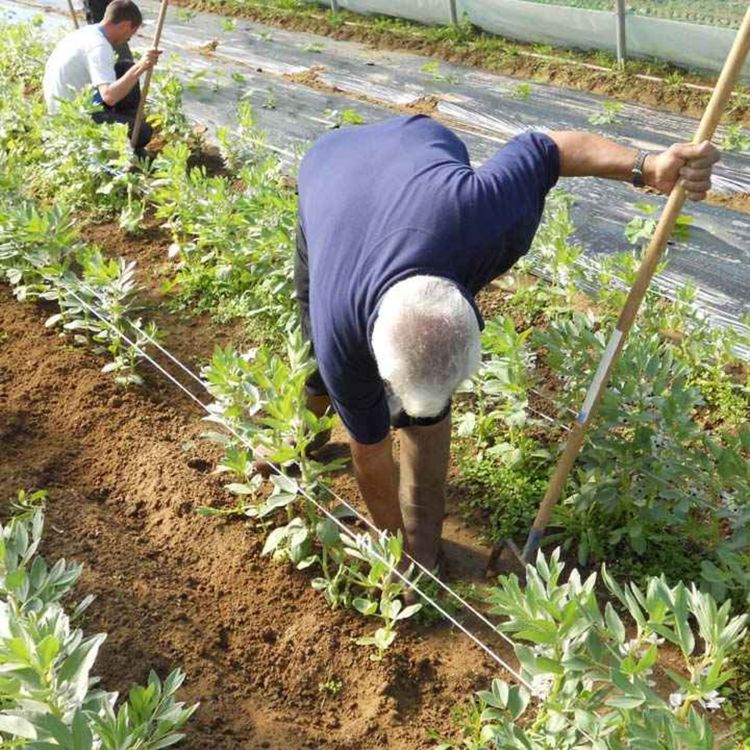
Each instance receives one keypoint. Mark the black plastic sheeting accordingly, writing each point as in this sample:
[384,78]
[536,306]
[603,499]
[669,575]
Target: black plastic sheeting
[251,61]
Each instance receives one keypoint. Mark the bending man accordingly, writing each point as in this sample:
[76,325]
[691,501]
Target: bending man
[397,233]
[86,58]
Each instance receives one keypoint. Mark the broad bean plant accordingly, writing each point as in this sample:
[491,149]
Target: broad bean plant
[663,480]
[233,238]
[259,396]
[41,257]
[47,693]
[592,676]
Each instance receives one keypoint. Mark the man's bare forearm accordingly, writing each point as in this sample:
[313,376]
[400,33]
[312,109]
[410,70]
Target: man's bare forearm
[377,477]
[590,155]
[117,91]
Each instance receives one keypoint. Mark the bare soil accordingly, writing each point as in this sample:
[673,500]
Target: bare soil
[126,471]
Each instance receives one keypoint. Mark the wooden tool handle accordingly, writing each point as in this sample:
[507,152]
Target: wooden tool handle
[147,82]
[729,75]
[73,13]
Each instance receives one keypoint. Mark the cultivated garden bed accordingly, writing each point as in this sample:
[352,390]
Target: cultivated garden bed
[213,571]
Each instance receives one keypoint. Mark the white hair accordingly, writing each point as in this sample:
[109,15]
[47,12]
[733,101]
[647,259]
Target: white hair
[426,343]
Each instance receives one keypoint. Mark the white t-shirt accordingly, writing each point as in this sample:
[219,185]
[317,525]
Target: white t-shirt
[82,58]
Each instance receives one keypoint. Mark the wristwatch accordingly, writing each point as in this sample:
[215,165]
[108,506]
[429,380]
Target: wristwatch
[637,176]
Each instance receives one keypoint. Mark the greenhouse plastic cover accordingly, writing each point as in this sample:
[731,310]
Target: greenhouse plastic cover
[253,61]
[689,45]
[426,11]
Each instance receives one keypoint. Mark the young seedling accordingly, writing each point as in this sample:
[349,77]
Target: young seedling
[675,79]
[736,138]
[186,15]
[340,118]
[330,688]
[270,101]
[609,115]
[381,586]
[640,229]
[521,91]
[432,69]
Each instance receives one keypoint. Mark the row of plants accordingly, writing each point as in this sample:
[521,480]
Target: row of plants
[48,695]
[95,296]
[232,247]
[261,396]
[597,678]
[663,479]
[51,169]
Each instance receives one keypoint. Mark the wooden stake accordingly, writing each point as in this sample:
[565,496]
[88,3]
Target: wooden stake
[147,82]
[73,13]
[714,111]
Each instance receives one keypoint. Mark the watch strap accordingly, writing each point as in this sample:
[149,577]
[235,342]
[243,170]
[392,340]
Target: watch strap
[637,177]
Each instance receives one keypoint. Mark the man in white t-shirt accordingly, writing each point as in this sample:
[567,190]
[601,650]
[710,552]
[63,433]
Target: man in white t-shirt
[86,58]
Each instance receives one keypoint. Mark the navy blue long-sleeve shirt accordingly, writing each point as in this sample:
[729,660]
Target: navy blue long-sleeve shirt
[383,202]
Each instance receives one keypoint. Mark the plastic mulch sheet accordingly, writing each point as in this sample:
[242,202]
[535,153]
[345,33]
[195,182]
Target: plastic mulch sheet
[297,82]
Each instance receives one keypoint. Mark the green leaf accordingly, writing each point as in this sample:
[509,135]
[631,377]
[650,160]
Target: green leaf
[614,623]
[549,665]
[285,484]
[365,606]
[17,726]
[48,649]
[518,701]
[625,701]
[15,579]
[238,488]
[328,533]
[685,637]
[274,539]
[82,738]
[407,612]
[384,638]
[648,659]
[75,669]
[54,727]
[168,741]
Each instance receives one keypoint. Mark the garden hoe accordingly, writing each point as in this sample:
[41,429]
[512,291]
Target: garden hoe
[706,129]
[147,82]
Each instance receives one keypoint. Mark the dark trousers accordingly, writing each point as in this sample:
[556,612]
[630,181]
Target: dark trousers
[125,110]
[94,9]
[314,384]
